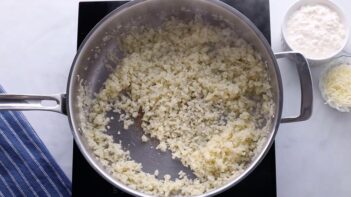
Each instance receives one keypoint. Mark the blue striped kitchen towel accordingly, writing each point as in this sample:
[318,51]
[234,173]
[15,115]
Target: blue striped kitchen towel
[26,166]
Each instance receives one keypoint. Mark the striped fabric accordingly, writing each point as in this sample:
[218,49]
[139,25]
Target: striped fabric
[26,166]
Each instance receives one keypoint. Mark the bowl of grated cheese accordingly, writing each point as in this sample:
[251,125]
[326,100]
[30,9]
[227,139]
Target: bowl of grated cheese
[316,28]
[335,84]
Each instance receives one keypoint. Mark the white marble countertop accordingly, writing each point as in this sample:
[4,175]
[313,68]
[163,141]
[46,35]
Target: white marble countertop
[38,43]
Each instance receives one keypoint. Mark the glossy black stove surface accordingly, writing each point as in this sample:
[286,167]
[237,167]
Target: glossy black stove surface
[86,182]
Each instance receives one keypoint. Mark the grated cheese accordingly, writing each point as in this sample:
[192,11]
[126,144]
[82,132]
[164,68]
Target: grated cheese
[336,86]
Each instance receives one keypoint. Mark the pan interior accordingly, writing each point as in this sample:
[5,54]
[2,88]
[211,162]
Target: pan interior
[100,54]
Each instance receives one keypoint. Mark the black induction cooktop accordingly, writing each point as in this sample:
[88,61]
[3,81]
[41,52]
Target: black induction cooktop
[86,182]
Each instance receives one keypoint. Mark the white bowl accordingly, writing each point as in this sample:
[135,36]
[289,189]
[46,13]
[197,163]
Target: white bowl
[296,6]
[344,59]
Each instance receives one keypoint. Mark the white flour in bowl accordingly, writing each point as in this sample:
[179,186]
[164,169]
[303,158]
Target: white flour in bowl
[316,31]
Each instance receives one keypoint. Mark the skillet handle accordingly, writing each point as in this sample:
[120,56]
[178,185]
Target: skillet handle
[20,102]
[304,73]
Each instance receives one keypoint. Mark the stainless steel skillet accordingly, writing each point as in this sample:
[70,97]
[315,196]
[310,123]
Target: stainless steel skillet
[93,55]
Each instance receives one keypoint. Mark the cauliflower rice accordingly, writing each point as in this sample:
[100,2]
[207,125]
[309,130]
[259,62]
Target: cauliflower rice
[204,94]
